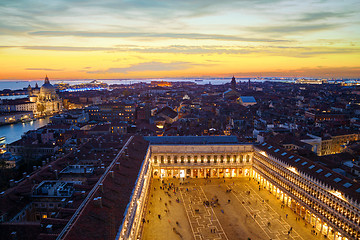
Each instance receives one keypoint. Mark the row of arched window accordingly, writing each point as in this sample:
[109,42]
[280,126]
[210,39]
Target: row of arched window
[201,159]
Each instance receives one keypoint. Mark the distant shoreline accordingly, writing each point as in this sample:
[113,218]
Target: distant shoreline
[154,79]
[21,84]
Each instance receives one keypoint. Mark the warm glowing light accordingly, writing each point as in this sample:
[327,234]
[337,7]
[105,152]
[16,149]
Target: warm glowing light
[160,125]
[162,173]
[293,170]
[338,194]
[161,83]
[263,153]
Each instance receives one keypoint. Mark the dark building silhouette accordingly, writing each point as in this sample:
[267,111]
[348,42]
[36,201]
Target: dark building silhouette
[233,83]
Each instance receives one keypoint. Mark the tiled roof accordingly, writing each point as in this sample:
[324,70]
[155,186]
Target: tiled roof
[100,128]
[192,139]
[168,112]
[16,198]
[248,99]
[103,222]
[23,231]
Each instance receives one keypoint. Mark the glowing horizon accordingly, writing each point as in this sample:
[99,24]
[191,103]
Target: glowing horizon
[114,39]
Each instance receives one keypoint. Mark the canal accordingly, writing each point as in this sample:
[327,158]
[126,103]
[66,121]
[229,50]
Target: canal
[13,132]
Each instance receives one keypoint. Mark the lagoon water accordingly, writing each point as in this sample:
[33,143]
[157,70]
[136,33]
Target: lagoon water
[13,132]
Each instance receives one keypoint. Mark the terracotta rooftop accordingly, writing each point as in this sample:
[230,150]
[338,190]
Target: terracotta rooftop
[15,199]
[23,230]
[100,128]
[115,194]
[168,112]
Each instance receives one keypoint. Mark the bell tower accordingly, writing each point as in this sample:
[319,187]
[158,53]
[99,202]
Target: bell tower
[233,83]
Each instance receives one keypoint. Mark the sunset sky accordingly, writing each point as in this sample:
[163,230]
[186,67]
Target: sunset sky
[95,39]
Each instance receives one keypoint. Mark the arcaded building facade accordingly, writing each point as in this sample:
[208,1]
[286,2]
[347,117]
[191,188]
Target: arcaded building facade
[203,161]
[326,200]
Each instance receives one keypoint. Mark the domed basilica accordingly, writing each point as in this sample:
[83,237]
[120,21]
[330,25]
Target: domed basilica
[47,100]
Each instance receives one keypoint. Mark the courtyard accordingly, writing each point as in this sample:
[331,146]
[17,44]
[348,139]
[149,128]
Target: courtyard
[221,208]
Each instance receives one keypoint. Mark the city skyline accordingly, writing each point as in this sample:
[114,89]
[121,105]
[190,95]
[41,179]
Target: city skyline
[142,39]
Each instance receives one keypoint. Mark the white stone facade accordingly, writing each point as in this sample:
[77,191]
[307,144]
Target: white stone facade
[333,217]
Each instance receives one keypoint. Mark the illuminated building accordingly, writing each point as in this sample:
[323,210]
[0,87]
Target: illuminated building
[47,100]
[124,111]
[330,144]
[326,200]
[161,84]
[15,117]
[309,81]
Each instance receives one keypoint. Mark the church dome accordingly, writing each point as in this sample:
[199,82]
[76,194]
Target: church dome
[47,87]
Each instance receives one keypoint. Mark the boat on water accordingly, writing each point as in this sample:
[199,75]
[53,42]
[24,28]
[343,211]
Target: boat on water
[198,80]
